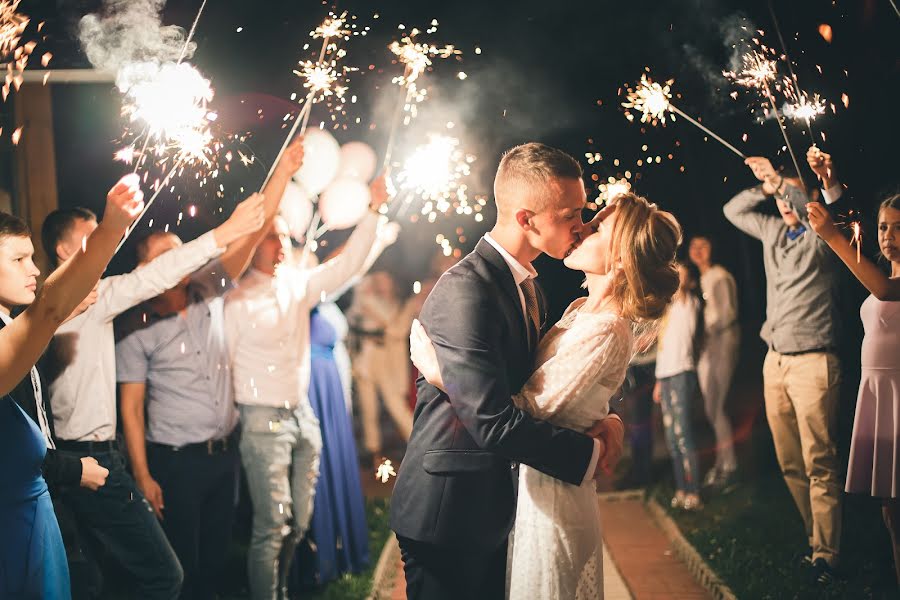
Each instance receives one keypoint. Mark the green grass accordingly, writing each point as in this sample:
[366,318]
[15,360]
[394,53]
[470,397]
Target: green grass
[356,587]
[752,536]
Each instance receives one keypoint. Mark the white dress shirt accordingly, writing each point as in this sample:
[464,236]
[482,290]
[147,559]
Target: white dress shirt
[83,391]
[520,273]
[267,323]
[675,352]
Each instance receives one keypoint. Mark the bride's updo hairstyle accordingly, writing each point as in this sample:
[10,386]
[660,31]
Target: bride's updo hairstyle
[644,241]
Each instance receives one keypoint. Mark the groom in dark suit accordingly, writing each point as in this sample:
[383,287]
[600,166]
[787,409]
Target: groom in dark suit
[454,500]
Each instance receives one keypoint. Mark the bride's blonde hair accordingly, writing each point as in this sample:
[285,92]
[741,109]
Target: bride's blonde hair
[644,242]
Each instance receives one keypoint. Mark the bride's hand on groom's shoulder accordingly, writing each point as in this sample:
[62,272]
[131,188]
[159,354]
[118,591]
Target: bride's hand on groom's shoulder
[423,356]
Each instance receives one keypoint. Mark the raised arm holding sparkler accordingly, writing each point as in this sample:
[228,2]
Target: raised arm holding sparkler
[26,337]
[886,289]
[237,258]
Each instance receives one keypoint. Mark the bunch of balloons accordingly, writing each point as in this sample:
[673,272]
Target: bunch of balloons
[335,177]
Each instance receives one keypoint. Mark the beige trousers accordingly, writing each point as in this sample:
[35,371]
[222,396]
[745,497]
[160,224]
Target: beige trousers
[801,406]
[383,370]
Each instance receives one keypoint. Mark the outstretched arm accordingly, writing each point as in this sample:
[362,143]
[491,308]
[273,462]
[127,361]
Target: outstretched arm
[121,292]
[238,254]
[334,274]
[23,340]
[878,284]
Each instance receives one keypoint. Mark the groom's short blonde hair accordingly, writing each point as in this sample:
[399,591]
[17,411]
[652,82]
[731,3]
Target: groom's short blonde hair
[526,177]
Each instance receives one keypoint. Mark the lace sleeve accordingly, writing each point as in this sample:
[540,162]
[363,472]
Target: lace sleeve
[590,355]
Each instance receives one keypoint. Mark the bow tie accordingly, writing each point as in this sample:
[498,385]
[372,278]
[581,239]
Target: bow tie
[793,234]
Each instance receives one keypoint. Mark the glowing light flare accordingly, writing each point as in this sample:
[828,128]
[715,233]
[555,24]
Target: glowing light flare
[756,72]
[332,27]
[385,471]
[650,99]
[416,57]
[806,108]
[434,170]
[12,26]
[317,78]
[613,188]
[170,102]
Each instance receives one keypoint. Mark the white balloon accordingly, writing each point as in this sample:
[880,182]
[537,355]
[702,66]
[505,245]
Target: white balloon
[358,161]
[321,159]
[296,210]
[344,203]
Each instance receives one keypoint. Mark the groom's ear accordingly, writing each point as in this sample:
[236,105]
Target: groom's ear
[524,218]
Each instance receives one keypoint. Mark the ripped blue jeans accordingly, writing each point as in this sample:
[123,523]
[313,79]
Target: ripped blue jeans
[679,392]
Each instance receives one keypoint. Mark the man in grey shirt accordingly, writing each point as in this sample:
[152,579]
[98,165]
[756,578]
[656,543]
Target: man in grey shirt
[801,373]
[175,368]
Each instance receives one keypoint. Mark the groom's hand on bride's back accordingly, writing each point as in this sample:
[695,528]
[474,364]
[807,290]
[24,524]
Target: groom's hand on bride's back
[610,431]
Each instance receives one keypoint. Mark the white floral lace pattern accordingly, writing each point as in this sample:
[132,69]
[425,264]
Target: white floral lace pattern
[556,550]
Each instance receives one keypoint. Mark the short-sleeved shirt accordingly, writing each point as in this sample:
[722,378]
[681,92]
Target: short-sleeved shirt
[183,360]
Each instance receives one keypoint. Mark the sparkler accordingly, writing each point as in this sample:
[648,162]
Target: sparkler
[385,471]
[612,189]
[806,108]
[12,26]
[653,102]
[147,206]
[759,73]
[12,51]
[147,138]
[319,78]
[415,57]
[171,100]
[435,172]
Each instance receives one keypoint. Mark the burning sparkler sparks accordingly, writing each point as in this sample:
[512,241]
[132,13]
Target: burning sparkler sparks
[650,99]
[318,78]
[653,102]
[416,58]
[385,471]
[613,188]
[12,51]
[333,27]
[435,170]
[806,108]
[171,104]
[757,71]
[12,26]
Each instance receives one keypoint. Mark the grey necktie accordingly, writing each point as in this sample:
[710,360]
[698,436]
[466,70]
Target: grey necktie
[531,309]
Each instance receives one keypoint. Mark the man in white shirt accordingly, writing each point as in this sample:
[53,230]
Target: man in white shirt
[267,328]
[82,373]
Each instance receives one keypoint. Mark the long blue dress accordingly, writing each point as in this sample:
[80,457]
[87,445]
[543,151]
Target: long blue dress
[32,555]
[338,531]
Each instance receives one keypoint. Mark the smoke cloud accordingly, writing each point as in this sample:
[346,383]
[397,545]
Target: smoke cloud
[126,32]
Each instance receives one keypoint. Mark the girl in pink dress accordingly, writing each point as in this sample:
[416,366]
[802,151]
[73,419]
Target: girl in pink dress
[874,466]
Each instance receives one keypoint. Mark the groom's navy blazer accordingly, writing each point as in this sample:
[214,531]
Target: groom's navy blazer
[456,482]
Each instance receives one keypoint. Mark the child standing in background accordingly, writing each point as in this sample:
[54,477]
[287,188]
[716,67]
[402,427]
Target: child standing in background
[680,343]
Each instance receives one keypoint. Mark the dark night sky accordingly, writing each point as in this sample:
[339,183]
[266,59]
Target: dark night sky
[548,71]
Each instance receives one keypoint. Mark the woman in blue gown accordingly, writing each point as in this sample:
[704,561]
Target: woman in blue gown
[32,555]
[338,534]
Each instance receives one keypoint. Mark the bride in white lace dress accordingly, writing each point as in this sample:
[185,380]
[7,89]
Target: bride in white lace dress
[627,255]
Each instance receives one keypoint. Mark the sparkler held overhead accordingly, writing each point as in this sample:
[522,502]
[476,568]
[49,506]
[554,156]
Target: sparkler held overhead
[319,77]
[653,102]
[415,57]
[759,72]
